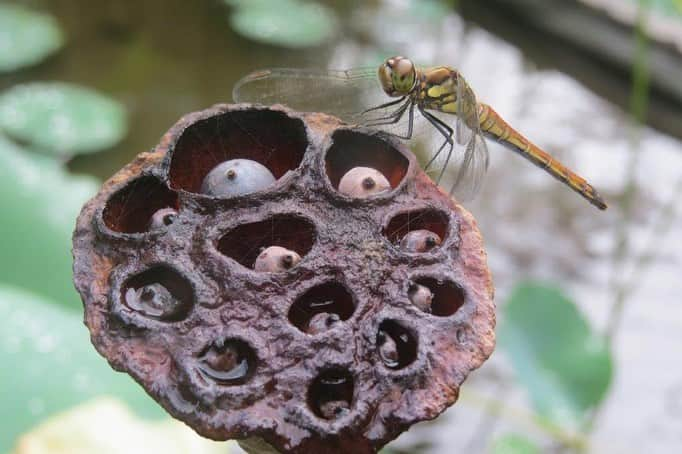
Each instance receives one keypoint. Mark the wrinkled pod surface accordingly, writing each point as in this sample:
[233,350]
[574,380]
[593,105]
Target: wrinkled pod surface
[321,347]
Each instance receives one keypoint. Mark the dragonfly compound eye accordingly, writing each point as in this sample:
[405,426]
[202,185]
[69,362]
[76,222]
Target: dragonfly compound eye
[286,316]
[403,75]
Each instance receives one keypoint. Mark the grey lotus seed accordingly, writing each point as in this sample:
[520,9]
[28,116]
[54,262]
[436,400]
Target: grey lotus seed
[237,177]
[362,182]
[276,259]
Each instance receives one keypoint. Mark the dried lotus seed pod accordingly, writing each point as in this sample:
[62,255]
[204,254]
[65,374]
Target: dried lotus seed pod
[237,177]
[162,218]
[276,259]
[326,357]
[363,182]
[419,241]
[421,296]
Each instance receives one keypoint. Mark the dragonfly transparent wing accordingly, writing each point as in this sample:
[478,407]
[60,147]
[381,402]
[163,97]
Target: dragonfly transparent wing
[345,94]
[467,114]
[342,93]
[465,168]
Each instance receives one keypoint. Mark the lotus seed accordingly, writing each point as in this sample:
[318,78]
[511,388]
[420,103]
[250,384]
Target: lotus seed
[162,218]
[237,177]
[322,322]
[276,259]
[421,296]
[362,182]
[388,350]
[419,241]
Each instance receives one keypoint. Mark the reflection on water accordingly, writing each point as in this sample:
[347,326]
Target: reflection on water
[166,58]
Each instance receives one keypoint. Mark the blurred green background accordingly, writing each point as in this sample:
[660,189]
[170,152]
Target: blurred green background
[590,324]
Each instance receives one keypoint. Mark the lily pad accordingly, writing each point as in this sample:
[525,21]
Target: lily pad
[62,118]
[50,365]
[285,23]
[564,365]
[118,431]
[40,203]
[26,37]
[514,444]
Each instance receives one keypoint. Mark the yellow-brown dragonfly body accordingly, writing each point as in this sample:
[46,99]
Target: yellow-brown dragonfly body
[439,89]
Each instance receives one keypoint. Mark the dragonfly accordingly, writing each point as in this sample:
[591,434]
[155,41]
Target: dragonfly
[400,98]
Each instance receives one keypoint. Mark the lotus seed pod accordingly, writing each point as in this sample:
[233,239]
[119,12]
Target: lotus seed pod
[237,177]
[363,182]
[162,218]
[419,241]
[421,296]
[275,259]
[322,322]
[323,356]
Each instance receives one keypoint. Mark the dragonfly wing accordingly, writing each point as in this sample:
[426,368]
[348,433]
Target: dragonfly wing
[343,93]
[467,114]
[465,167]
[471,169]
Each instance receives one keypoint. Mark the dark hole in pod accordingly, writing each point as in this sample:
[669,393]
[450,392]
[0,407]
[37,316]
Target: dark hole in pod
[160,293]
[228,362]
[352,149]
[330,298]
[427,219]
[265,136]
[331,394]
[448,296]
[245,242]
[396,345]
[131,208]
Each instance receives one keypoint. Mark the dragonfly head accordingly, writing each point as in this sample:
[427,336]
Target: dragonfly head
[397,76]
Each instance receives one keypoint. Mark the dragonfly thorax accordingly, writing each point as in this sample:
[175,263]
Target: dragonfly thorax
[398,76]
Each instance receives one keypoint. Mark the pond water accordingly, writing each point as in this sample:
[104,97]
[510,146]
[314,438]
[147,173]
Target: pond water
[166,58]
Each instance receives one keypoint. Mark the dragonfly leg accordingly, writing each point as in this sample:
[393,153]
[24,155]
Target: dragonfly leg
[396,119]
[447,132]
[388,104]
[391,118]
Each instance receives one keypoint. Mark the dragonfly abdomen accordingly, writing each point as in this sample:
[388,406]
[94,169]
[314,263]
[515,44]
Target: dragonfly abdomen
[495,127]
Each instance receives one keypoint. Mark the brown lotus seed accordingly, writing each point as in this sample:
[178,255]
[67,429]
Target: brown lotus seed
[162,218]
[153,300]
[334,409]
[388,349]
[363,182]
[276,259]
[322,322]
[421,296]
[224,359]
[419,241]
[225,363]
